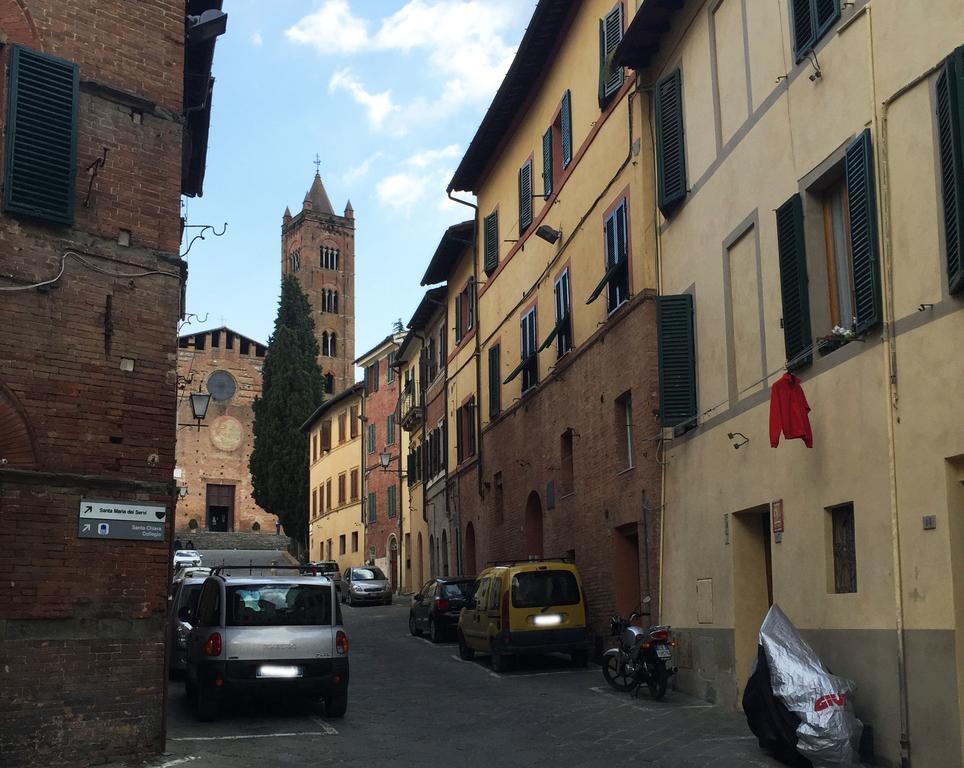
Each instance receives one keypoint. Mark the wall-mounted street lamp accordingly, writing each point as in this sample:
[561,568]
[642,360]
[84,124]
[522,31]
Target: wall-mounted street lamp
[547,233]
[384,459]
[199,409]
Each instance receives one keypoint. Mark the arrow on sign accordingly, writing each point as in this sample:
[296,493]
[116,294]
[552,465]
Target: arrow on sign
[86,527]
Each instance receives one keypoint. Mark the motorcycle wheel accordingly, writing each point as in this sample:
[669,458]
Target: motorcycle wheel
[615,673]
[658,680]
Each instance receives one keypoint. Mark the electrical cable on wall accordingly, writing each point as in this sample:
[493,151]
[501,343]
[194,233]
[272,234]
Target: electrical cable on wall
[94,268]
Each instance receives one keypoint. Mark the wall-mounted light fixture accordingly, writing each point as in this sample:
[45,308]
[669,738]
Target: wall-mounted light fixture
[738,439]
[548,234]
[199,409]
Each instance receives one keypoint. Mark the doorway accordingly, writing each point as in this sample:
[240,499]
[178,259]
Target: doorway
[626,570]
[533,526]
[752,584]
[220,507]
[469,568]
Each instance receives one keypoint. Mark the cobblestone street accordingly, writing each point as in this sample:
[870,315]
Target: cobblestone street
[416,704]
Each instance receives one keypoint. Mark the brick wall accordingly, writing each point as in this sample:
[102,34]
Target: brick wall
[608,500]
[87,375]
[218,454]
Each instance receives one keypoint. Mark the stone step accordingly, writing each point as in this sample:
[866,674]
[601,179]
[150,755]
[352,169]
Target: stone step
[232,540]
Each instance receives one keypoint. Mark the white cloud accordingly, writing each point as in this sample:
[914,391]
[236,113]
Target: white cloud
[462,40]
[432,156]
[330,29]
[423,174]
[256,40]
[402,190]
[378,105]
[362,169]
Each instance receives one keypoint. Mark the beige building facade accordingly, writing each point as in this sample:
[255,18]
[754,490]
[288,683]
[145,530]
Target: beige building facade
[335,529]
[808,212]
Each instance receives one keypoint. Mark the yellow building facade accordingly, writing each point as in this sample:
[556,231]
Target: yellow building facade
[804,184]
[335,529]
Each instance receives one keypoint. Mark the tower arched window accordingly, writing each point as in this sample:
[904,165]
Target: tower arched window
[324,344]
[329,383]
[334,302]
[331,345]
[294,260]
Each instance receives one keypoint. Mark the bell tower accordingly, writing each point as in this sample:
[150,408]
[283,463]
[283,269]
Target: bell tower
[318,248]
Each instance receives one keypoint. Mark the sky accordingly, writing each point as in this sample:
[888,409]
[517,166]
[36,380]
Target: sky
[388,94]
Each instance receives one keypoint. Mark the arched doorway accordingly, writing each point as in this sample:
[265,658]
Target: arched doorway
[445,553]
[393,562]
[534,526]
[431,557]
[469,551]
[419,561]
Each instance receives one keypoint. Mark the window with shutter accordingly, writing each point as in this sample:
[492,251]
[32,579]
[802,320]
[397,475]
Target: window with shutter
[41,151]
[491,243]
[862,202]
[495,385]
[547,163]
[794,285]
[525,196]
[565,117]
[610,33]
[677,360]
[459,437]
[809,21]
[950,132]
[616,278]
[670,146]
[458,318]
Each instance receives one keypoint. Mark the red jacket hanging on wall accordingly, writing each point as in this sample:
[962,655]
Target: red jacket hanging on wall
[788,411]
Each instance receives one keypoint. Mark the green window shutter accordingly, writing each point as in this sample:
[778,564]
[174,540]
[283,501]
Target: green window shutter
[809,20]
[41,152]
[491,242]
[670,147]
[950,130]
[459,437]
[859,163]
[495,386]
[794,284]
[677,360]
[610,33]
[458,318]
[525,196]
[565,118]
[547,163]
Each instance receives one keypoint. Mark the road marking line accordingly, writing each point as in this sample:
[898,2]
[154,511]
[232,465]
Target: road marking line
[178,761]
[252,736]
[328,729]
[496,675]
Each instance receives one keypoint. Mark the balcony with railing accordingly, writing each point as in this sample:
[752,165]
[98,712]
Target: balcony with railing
[411,410]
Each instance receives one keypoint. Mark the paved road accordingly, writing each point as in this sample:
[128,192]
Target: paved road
[412,703]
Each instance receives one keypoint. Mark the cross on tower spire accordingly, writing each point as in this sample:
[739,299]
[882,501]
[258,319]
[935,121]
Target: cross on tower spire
[317,163]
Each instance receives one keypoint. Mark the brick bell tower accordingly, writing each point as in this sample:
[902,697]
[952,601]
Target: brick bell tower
[318,247]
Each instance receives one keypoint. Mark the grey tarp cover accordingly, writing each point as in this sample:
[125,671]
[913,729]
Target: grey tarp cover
[829,732]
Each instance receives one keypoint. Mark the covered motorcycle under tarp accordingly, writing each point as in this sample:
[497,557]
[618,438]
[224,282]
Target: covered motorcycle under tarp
[798,711]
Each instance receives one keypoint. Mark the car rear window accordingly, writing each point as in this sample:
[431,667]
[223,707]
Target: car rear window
[368,574]
[274,605]
[457,590]
[531,589]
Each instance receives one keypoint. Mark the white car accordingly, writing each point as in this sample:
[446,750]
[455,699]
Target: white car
[186,557]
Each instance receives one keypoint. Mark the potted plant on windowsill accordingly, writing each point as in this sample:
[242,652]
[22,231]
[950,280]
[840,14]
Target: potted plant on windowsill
[837,337]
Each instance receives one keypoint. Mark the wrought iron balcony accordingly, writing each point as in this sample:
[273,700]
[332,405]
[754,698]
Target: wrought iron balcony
[412,408]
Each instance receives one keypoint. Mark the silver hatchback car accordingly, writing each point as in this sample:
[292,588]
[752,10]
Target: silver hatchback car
[366,584]
[257,634]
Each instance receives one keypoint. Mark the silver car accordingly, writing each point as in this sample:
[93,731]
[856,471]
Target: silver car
[258,634]
[365,584]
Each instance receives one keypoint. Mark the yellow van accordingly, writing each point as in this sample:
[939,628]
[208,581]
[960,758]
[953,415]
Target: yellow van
[525,607]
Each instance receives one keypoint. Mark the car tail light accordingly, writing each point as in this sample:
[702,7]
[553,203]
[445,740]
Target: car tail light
[341,642]
[661,635]
[213,646]
[441,604]
[505,611]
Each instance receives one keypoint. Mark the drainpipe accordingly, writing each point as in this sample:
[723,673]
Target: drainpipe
[890,352]
[477,416]
[398,501]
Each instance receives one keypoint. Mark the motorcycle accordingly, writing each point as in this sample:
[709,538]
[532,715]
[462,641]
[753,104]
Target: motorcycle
[641,657]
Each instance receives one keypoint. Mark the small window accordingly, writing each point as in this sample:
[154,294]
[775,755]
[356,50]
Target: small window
[624,428]
[342,484]
[490,243]
[610,33]
[354,485]
[810,20]
[353,419]
[371,438]
[390,428]
[326,435]
[495,382]
[530,361]
[342,427]
[314,502]
[615,280]
[354,541]
[390,368]
[843,548]
[341,544]
[329,501]
[840,279]
[372,510]
[525,196]
[392,491]
[563,315]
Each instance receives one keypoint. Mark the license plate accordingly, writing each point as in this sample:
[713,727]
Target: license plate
[278,671]
[663,651]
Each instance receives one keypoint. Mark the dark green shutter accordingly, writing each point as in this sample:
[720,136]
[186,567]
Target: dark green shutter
[41,156]
[677,360]
[809,20]
[862,201]
[950,130]
[547,163]
[458,318]
[610,33]
[459,436]
[491,244]
[565,118]
[495,391]
[794,284]
[525,196]
[670,149]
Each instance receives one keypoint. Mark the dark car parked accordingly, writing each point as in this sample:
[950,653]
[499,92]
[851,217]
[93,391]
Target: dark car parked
[436,607]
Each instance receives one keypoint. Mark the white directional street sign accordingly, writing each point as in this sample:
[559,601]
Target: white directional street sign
[99,519]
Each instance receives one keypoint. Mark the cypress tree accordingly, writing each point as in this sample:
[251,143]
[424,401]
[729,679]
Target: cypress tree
[292,388]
